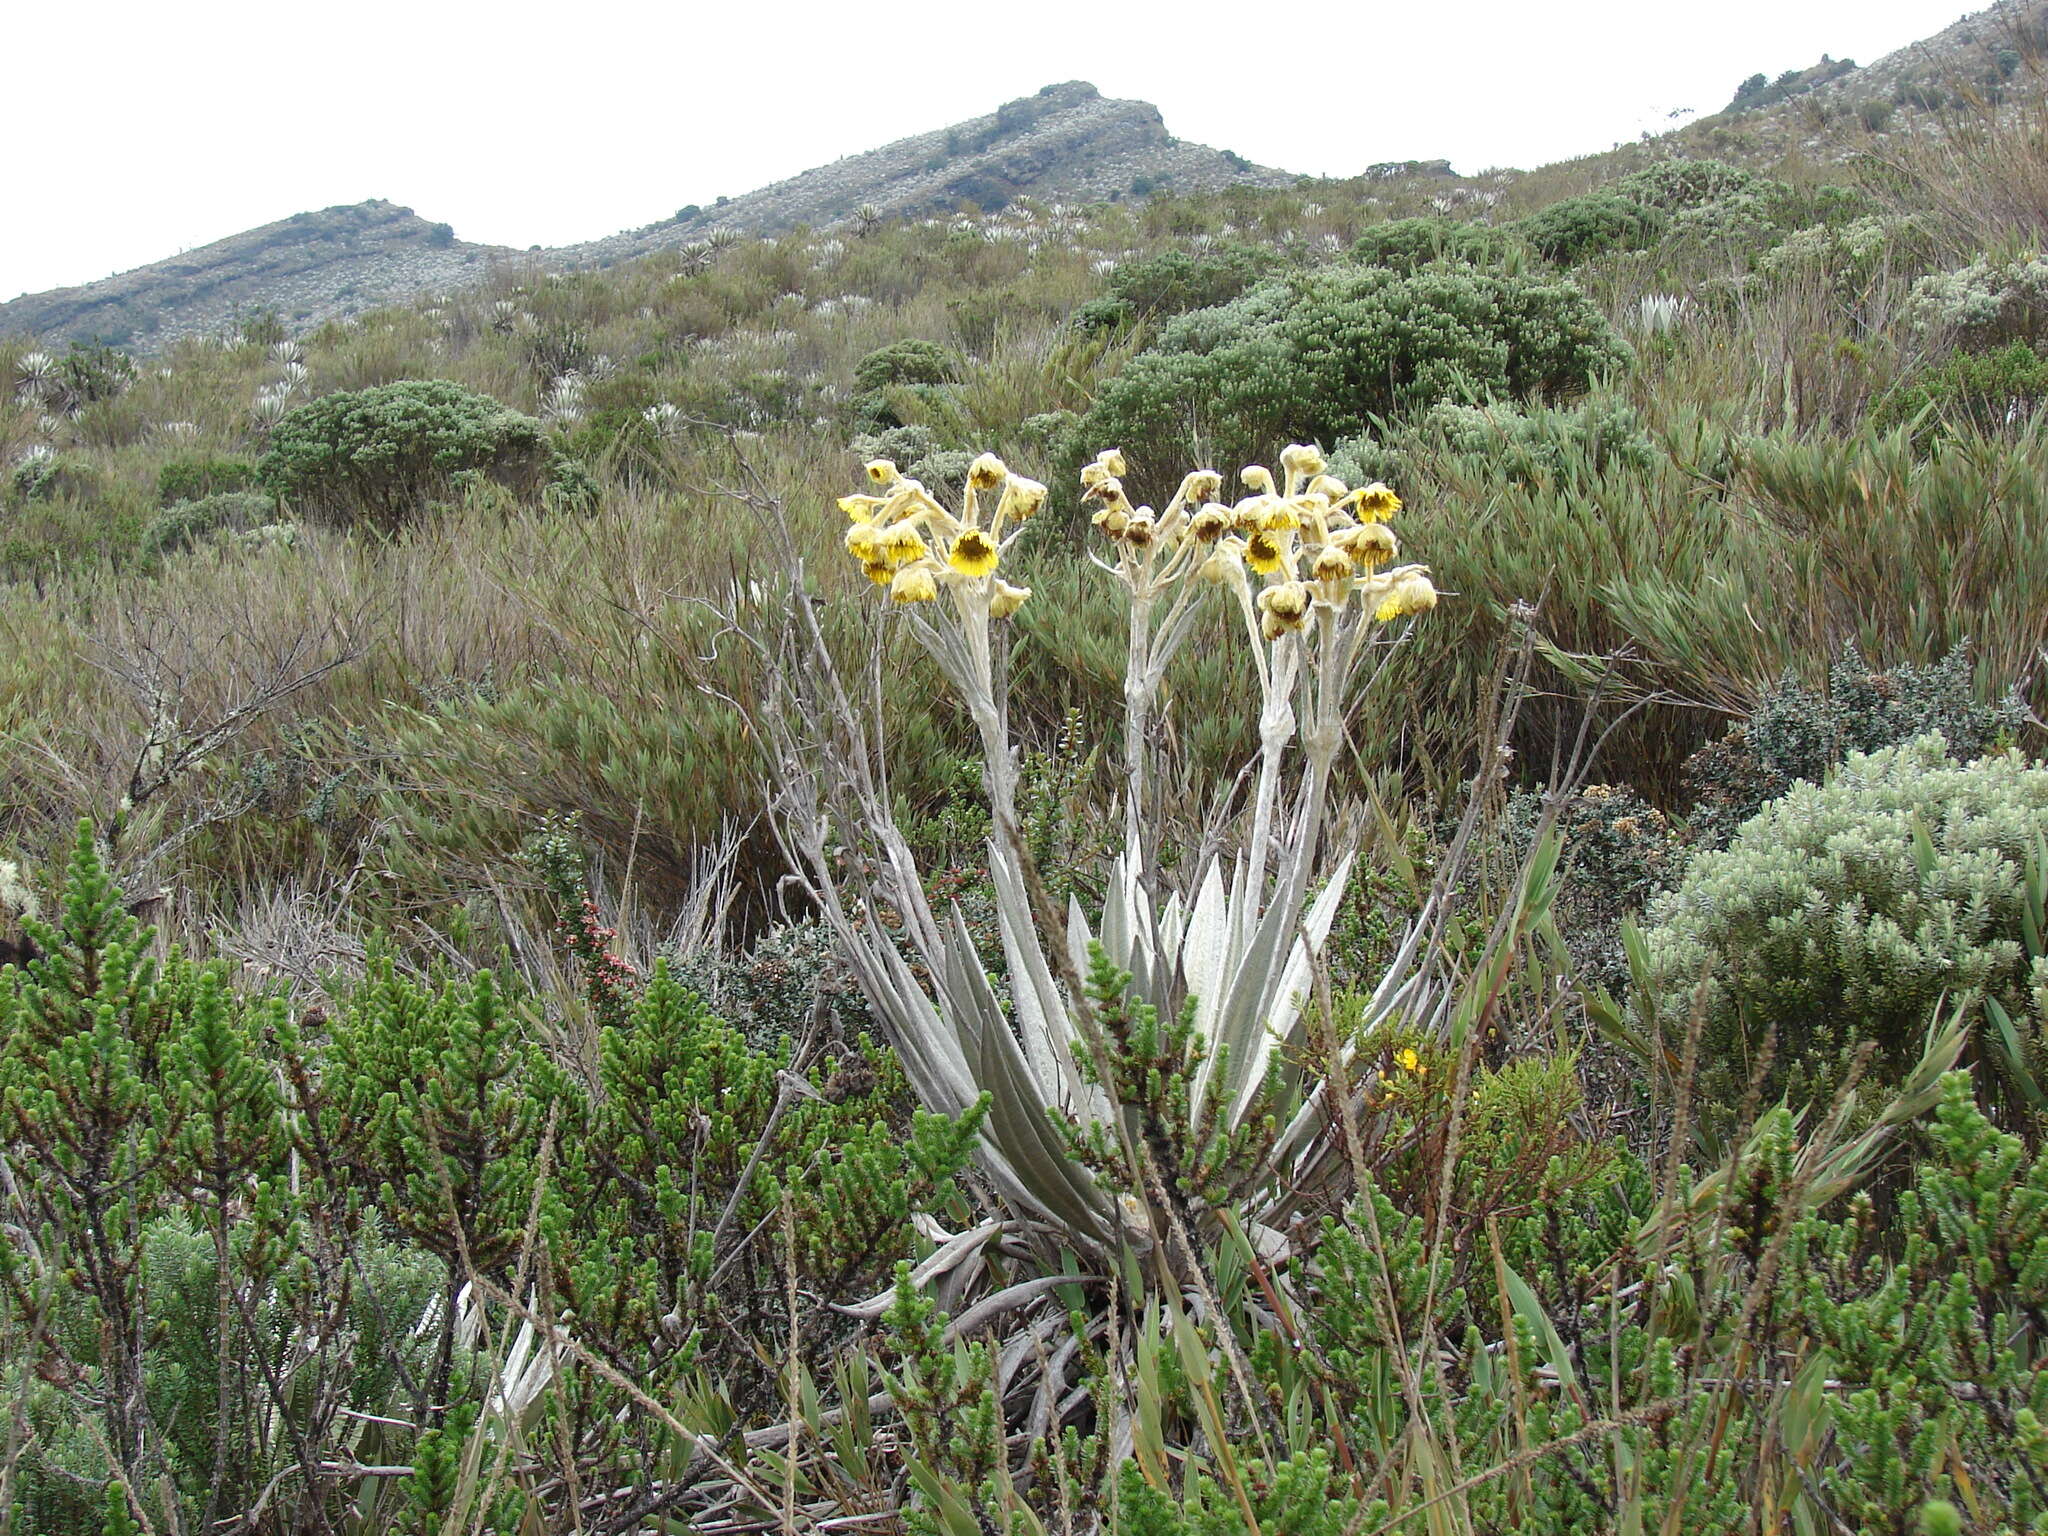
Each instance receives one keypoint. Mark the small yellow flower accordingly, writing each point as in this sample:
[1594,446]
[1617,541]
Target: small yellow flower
[1372,545]
[914,584]
[862,509]
[1286,605]
[864,543]
[1265,552]
[1333,565]
[882,471]
[973,553]
[1412,594]
[1376,503]
[1021,499]
[880,575]
[1280,517]
[901,544]
[986,472]
[1409,1061]
[1006,599]
[1112,521]
[1200,486]
[1301,459]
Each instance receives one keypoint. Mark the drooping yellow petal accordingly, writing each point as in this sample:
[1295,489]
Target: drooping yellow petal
[986,472]
[882,471]
[914,584]
[1022,499]
[1006,599]
[1376,503]
[862,509]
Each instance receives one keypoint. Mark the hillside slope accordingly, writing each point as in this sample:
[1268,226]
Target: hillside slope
[1066,143]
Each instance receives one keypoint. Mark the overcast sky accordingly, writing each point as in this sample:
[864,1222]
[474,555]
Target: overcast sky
[141,129]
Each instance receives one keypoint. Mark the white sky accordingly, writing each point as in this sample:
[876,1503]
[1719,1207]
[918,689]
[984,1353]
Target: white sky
[141,128]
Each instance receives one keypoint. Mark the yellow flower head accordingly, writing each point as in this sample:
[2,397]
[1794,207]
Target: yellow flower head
[864,542]
[1209,524]
[1372,545]
[1112,462]
[973,553]
[1279,517]
[1376,503]
[883,471]
[880,574]
[1413,593]
[1408,1061]
[1258,478]
[1226,565]
[1112,520]
[1329,487]
[986,472]
[1265,552]
[1006,599]
[1140,530]
[1286,604]
[1021,499]
[862,509]
[914,584]
[901,544]
[1333,565]
[1200,486]
[1301,459]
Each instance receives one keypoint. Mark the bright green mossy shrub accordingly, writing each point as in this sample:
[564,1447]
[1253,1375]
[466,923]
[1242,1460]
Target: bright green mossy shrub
[1317,354]
[382,456]
[1579,227]
[1852,912]
[1403,245]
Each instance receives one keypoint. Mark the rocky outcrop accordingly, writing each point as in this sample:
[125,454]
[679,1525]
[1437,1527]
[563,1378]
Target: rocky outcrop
[1068,143]
[307,268]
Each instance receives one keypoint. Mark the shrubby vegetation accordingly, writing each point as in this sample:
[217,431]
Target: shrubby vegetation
[537,995]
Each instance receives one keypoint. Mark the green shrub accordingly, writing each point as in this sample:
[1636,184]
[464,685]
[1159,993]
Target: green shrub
[1578,227]
[1875,116]
[1797,734]
[1177,281]
[191,479]
[1980,392]
[911,361]
[1849,913]
[1672,185]
[381,456]
[186,523]
[1319,353]
[1986,304]
[1104,315]
[1406,244]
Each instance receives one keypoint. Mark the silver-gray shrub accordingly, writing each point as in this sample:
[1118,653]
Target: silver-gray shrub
[1855,911]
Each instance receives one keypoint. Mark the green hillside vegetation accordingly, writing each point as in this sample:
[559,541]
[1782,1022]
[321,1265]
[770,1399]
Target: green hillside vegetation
[1364,859]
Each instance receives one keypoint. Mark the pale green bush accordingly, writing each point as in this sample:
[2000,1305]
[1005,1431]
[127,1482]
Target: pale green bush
[1853,912]
[1984,305]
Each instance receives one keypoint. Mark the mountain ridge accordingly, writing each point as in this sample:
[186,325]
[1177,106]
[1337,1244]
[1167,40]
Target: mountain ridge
[1067,142]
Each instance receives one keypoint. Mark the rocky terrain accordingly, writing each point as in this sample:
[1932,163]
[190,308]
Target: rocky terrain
[1067,143]
[307,268]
